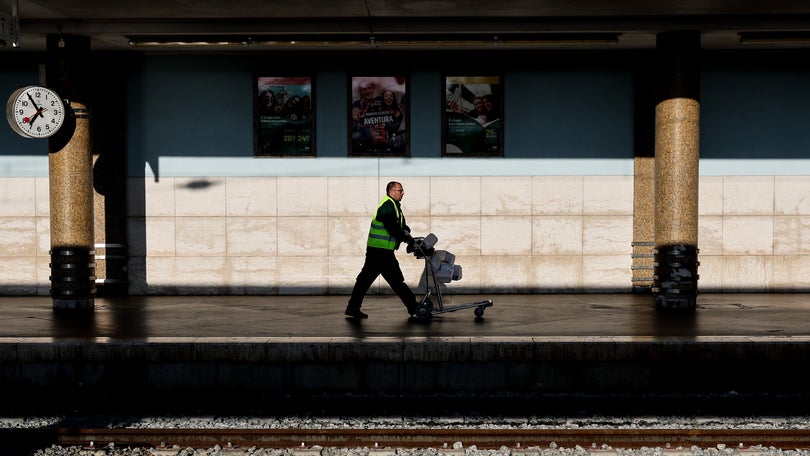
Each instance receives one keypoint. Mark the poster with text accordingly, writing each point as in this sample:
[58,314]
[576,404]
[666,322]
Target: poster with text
[284,117]
[473,116]
[378,119]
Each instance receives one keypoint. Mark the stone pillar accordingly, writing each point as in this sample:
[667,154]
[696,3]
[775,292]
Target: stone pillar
[70,168]
[677,138]
[643,182]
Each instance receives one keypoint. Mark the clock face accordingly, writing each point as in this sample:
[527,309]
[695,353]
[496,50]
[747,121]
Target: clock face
[35,112]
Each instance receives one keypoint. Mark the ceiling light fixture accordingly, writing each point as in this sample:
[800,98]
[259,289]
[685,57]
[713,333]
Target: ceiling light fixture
[379,41]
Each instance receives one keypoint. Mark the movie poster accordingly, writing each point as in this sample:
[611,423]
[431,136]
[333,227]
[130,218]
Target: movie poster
[284,117]
[378,119]
[473,116]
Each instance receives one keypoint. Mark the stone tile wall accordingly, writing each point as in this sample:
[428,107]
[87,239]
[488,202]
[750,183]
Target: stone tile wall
[515,234]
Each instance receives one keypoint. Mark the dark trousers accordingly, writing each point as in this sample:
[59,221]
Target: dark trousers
[380,261]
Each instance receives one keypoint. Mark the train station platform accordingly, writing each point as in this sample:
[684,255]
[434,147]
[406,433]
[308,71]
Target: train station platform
[749,343]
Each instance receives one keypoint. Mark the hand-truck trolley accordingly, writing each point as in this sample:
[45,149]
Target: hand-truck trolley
[440,268]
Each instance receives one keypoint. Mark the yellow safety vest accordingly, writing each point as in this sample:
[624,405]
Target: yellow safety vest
[378,236]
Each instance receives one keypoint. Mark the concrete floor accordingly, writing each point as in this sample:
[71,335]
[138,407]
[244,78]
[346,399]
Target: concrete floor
[747,315]
[237,346]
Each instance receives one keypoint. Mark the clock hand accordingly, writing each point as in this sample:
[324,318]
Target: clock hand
[30,98]
[37,114]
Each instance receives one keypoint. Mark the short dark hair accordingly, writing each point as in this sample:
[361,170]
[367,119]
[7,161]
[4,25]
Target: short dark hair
[390,186]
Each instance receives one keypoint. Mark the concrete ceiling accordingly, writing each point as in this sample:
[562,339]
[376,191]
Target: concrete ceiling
[111,24]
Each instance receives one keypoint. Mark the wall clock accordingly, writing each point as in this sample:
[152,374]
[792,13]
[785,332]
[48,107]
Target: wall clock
[35,112]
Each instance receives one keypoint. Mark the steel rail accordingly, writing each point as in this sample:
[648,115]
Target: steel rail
[593,439]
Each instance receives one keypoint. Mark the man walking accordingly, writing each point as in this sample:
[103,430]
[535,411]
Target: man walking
[388,230]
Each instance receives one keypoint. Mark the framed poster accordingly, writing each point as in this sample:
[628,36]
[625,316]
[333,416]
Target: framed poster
[473,116]
[378,116]
[283,117]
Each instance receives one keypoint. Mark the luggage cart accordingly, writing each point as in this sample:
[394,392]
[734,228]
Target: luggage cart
[440,268]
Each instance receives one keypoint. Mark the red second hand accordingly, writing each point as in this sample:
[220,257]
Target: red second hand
[39,112]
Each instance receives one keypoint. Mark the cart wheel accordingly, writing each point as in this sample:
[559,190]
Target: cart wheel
[479,311]
[425,310]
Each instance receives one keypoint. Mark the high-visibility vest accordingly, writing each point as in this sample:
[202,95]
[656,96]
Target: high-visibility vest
[378,236]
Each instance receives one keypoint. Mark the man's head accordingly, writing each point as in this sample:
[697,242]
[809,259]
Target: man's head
[367,89]
[394,190]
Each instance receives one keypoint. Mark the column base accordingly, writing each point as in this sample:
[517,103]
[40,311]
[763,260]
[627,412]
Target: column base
[670,303]
[85,305]
[675,285]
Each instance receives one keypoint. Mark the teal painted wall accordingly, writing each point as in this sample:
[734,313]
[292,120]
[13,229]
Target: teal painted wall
[192,115]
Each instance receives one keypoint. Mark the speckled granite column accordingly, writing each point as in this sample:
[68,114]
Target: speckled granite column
[71,179]
[677,138]
[644,182]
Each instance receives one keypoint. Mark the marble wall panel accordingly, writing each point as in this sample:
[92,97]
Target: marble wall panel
[18,197]
[557,235]
[303,236]
[158,275]
[343,270]
[607,195]
[416,201]
[19,237]
[460,235]
[252,236]
[158,198]
[506,195]
[252,274]
[747,273]
[710,235]
[791,273]
[43,196]
[506,274]
[43,236]
[201,275]
[747,235]
[606,273]
[506,235]
[348,235]
[419,225]
[413,269]
[154,236]
[557,195]
[200,196]
[710,273]
[792,195]
[455,196]
[607,234]
[200,236]
[471,275]
[748,195]
[557,273]
[710,195]
[250,196]
[305,275]
[302,196]
[43,280]
[352,196]
[791,235]
[19,275]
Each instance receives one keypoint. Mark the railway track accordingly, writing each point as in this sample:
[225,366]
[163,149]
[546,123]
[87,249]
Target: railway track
[305,439]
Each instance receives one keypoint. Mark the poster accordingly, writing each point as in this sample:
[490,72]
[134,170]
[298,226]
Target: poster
[473,116]
[284,117]
[378,116]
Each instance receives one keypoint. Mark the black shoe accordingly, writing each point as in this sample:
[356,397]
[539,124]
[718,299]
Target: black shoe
[355,313]
[412,309]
